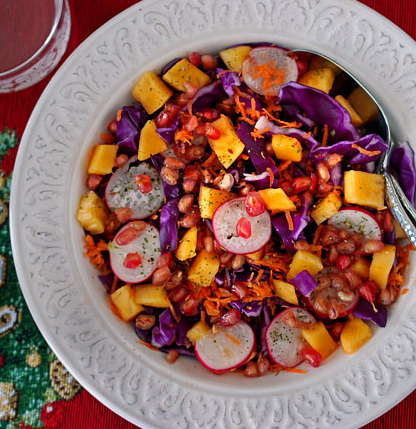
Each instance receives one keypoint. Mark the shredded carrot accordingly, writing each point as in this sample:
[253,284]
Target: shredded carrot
[94,253]
[289,220]
[244,157]
[404,291]
[183,136]
[283,165]
[271,175]
[258,277]
[365,151]
[295,370]
[256,133]
[149,346]
[118,116]
[114,285]
[307,135]
[209,160]
[212,307]
[175,315]
[325,135]
[233,339]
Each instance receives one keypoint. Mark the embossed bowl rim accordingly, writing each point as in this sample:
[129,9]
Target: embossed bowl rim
[62,290]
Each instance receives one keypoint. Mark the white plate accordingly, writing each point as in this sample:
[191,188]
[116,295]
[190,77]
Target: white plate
[61,288]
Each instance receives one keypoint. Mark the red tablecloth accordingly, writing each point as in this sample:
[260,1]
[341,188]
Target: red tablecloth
[15,109]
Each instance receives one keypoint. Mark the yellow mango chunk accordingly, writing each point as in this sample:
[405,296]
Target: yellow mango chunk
[123,301]
[398,230]
[150,142]
[187,246]
[381,265]
[304,260]
[364,189]
[318,62]
[321,79]
[184,71]
[92,213]
[286,291]
[326,207]
[198,331]
[151,91]
[286,148]
[276,200]
[363,104]
[355,117]
[103,159]
[228,147]
[234,57]
[203,268]
[317,336]
[154,296]
[210,199]
[354,335]
[361,268]
[256,256]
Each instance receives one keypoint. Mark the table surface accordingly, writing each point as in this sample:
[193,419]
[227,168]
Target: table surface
[16,108]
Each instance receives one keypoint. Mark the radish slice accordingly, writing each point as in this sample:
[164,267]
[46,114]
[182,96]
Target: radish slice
[274,62]
[146,244]
[284,343]
[226,349]
[357,220]
[122,191]
[224,223]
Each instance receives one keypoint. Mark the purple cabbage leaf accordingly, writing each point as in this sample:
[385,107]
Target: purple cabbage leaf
[403,162]
[168,234]
[304,283]
[129,126]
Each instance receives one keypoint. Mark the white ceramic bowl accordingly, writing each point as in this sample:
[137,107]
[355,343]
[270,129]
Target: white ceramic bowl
[61,288]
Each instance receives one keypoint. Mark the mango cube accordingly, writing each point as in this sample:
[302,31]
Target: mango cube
[363,104]
[150,142]
[234,57]
[321,79]
[203,268]
[210,199]
[364,189]
[362,268]
[123,301]
[92,213]
[276,200]
[198,331]
[286,148]
[256,256]
[183,71]
[228,147]
[285,291]
[103,159]
[355,117]
[304,260]
[381,265]
[187,246]
[318,62]
[317,336]
[326,207]
[154,296]
[354,334]
[151,91]
[398,230]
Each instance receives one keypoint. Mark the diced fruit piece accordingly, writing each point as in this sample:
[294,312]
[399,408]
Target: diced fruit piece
[284,343]
[354,334]
[326,207]
[154,296]
[143,182]
[228,147]
[151,91]
[276,200]
[319,339]
[361,268]
[286,148]
[286,291]
[203,268]
[256,256]
[311,356]
[304,260]
[210,199]
[321,79]
[398,230]
[381,265]
[123,300]
[224,224]
[184,71]
[234,57]
[254,204]
[243,228]
[363,104]
[364,189]
[355,117]
[357,220]
[92,213]
[227,348]
[197,331]
[103,159]
[187,246]
[150,142]
[318,62]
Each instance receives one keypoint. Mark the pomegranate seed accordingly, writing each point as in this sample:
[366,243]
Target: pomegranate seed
[210,114]
[189,307]
[144,183]
[208,62]
[195,58]
[243,228]
[164,260]
[343,262]
[112,127]
[314,181]
[263,365]
[178,294]
[191,124]
[230,318]
[311,356]
[254,204]
[182,100]
[192,172]
[372,246]
[335,330]
[132,260]
[162,120]
[123,214]
[126,236]
[240,290]
[161,276]
[172,356]
[368,290]
[212,132]
[287,187]
[121,160]
[251,370]
[190,89]
[323,172]
[301,184]
[93,181]
[302,67]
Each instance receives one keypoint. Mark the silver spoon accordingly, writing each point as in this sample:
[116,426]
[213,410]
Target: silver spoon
[399,205]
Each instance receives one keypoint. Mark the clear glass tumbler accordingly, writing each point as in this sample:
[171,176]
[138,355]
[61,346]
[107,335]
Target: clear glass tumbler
[33,38]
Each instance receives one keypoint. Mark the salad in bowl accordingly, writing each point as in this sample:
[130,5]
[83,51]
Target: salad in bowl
[235,213]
